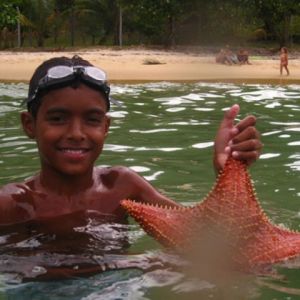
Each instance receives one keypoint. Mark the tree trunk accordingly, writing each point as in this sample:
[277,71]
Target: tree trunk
[171,32]
[40,39]
[56,27]
[120,26]
[72,26]
[286,29]
[19,28]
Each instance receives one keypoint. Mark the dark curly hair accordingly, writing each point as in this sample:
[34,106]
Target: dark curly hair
[41,71]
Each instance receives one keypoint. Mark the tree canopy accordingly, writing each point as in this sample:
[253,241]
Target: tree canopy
[61,23]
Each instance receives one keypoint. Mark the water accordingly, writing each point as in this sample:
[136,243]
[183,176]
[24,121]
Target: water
[165,132]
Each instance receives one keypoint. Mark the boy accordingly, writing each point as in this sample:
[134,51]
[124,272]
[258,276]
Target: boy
[67,103]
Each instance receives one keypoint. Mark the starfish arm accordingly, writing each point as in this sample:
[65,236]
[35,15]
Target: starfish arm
[230,213]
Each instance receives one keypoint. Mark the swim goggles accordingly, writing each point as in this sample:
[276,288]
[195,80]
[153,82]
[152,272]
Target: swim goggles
[60,76]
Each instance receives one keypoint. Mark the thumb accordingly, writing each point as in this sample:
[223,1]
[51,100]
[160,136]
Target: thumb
[229,116]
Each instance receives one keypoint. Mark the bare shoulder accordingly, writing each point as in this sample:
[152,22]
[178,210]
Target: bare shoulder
[122,181]
[128,184]
[10,189]
[15,203]
[7,197]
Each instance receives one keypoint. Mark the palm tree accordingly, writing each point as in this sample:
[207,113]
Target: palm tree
[35,16]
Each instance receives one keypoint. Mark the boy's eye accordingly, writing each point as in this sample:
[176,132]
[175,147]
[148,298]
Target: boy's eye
[56,118]
[94,119]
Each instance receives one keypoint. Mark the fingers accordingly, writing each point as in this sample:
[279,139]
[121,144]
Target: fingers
[248,157]
[247,150]
[246,144]
[247,134]
[241,140]
[233,111]
[249,121]
[229,116]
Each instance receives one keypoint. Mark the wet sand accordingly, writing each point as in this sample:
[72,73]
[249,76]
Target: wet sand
[133,66]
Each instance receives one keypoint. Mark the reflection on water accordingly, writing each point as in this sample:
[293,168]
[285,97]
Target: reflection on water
[165,132]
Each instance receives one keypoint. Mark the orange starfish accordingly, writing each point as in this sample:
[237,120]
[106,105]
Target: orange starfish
[229,216]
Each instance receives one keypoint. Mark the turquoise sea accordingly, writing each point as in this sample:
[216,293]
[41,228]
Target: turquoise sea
[164,131]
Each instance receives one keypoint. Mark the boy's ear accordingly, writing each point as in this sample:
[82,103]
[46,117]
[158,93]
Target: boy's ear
[28,124]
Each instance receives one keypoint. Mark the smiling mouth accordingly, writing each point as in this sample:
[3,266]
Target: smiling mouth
[69,150]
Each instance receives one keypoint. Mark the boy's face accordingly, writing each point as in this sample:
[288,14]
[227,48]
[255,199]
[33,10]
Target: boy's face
[70,129]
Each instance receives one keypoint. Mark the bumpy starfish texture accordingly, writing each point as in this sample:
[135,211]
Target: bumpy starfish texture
[229,216]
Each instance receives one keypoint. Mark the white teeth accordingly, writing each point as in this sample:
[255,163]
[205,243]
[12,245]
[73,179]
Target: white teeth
[75,151]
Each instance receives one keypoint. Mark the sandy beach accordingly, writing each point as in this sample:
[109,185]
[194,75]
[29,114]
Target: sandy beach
[131,66]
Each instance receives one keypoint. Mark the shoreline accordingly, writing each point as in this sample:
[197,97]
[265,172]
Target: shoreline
[138,65]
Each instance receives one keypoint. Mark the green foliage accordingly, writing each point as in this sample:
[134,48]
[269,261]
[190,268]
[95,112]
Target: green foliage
[35,16]
[276,15]
[161,22]
[8,14]
[157,20]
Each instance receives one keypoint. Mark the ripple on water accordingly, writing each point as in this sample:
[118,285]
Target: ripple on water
[193,122]
[203,145]
[271,132]
[172,101]
[296,143]
[14,90]
[117,148]
[139,169]
[118,114]
[176,109]
[295,129]
[284,136]
[192,96]
[204,109]
[294,165]
[6,108]
[153,130]
[206,96]
[221,86]
[154,176]
[163,149]
[14,143]
[269,155]
[274,104]
[285,123]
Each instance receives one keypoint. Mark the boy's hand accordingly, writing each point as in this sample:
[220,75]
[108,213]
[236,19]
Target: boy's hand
[241,140]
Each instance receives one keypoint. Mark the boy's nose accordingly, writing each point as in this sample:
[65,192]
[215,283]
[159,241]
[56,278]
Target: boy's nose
[76,130]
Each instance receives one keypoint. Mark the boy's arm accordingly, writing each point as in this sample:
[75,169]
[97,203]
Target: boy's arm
[12,212]
[143,191]
[7,207]
[241,140]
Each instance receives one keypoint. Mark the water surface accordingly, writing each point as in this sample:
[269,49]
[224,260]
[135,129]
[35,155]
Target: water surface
[164,131]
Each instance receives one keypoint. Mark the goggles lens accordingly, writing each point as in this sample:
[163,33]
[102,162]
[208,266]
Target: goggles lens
[95,73]
[59,72]
[64,71]
[59,76]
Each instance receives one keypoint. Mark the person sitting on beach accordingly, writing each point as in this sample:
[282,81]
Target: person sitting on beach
[222,58]
[231,56]
[284,61]
[243,57]
[226,57]
[66,116]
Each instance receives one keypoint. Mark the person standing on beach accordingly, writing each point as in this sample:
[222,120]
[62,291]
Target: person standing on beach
[284,60]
